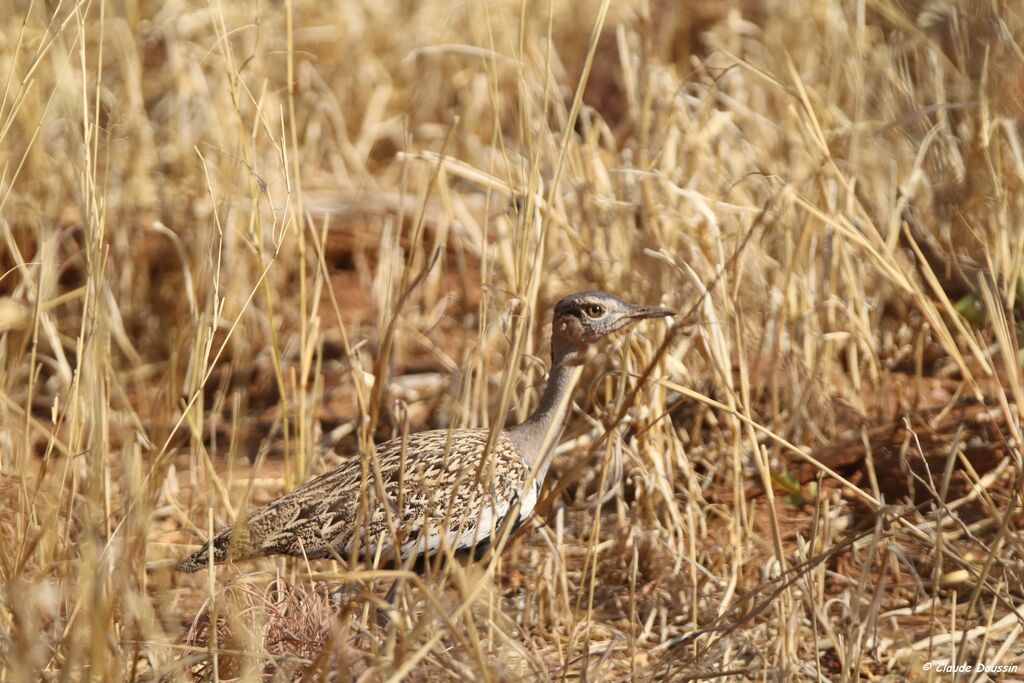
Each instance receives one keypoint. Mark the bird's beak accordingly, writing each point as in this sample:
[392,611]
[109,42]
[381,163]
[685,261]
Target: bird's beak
[644,312]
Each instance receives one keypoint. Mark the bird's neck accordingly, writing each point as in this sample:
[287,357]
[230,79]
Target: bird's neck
[537,437]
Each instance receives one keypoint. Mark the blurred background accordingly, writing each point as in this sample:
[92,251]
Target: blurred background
[241,241]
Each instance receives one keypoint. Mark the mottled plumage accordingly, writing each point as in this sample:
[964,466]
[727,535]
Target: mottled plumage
[438,487]
[445,488]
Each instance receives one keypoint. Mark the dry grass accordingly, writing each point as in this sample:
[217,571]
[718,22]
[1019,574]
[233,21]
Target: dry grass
[241,238]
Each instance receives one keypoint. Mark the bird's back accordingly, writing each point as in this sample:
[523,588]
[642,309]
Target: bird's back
[438,489]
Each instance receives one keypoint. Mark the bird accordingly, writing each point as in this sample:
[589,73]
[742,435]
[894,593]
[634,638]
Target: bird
[433,491]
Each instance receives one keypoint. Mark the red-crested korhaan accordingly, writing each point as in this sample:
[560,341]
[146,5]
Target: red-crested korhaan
[433,491]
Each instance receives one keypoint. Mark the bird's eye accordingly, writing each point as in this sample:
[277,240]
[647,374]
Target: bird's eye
[594,310]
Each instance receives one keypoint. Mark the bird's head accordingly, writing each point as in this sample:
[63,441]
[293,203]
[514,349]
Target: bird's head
[587,317]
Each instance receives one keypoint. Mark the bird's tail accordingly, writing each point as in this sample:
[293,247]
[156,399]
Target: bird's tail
[200,559]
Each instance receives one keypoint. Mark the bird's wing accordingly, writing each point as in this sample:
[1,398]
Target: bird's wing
[437,490]
[448,495]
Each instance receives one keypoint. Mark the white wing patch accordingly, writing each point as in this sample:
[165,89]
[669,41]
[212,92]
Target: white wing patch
[529,500]
[487,523]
